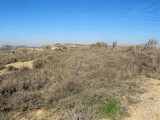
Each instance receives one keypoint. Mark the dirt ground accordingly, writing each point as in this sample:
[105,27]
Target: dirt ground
[149,106]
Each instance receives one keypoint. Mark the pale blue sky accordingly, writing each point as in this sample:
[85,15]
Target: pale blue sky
[38,22]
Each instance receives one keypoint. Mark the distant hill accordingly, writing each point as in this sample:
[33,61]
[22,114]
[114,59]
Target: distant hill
[10,47]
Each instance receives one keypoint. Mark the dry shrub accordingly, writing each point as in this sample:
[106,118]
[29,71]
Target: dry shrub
[22,101]
[24,82]
[67,88]
[114,44]
[63,79]
[84,113]
[9,60]
[67,103]
[90,96]
[39,63]
[2,67]
[21,83]
[8,89]
[27,101]
[72,87]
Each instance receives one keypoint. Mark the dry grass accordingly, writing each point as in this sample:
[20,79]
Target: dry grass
[75,81]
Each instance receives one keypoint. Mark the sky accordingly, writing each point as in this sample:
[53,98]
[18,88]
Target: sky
[41,22]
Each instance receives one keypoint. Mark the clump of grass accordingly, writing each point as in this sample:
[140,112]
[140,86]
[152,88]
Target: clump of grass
[111,109]
[99,44]
[51,103]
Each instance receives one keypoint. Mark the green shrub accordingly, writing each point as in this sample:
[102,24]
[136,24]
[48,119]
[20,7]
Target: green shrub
[99,44]
[111,109]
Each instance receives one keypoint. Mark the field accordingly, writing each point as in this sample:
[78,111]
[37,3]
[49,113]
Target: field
[80,82]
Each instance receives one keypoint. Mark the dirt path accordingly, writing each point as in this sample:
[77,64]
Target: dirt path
[149,107]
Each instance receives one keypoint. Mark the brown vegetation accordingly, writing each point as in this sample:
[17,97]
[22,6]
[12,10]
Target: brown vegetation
[76,82]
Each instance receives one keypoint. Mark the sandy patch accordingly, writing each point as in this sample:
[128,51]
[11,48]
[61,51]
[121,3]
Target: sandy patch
[149,107]
[4,71]
[21,64]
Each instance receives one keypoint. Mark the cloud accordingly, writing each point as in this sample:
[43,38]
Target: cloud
[151,8]
[139,13]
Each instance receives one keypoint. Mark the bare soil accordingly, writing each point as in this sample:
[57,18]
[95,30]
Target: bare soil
[149,106]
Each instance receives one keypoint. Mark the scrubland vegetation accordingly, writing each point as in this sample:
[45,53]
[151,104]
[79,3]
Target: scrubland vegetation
[84,83]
